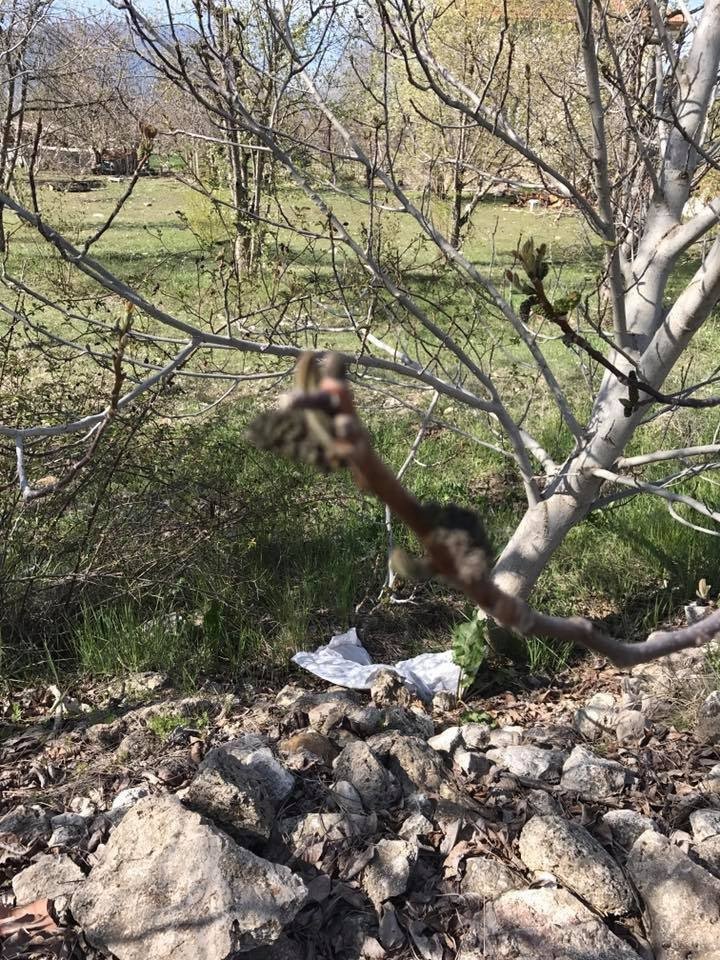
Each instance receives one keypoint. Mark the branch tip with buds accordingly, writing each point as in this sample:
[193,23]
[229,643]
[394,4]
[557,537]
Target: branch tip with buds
[317,423]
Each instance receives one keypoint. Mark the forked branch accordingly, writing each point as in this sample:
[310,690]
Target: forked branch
[318,423]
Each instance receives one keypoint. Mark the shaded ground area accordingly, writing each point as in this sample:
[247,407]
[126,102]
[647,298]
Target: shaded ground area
[457,830]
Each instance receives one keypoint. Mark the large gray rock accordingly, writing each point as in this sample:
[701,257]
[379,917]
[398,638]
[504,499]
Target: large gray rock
[523,760]
[488,878]
[358,765]
[707,729]
[412,723]
[231,794]
[682,900]
[415,765]
[475,735]
[472,763]
[173,887]
[631,726]
[24,825]
[505,736]
[592,777]
[48,877]
[548,924]
[446,741]
[252,752]
[303,832]
[68,830]
[597,717]
[708,851]
[388,873]
[565,849]
[623,827]
[705,824]
[389,690]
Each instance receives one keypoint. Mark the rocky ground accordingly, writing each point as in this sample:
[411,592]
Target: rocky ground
[579,819]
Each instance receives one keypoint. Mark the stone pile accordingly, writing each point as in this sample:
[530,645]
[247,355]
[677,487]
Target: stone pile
[330,824]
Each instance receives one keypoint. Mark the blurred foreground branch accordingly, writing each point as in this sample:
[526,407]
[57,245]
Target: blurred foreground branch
[317,422]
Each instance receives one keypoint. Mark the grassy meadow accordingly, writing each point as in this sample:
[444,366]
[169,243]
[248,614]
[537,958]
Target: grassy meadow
[183,548]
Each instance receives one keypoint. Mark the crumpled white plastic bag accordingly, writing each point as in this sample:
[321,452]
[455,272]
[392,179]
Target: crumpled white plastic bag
[345,662]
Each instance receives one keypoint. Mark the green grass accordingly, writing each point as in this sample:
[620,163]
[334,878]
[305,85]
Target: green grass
[185,550]
[163,725]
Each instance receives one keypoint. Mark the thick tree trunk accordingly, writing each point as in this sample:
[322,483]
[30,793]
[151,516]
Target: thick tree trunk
[535,540]
[569,497]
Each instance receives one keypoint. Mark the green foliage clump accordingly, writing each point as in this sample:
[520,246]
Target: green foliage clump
[469,649]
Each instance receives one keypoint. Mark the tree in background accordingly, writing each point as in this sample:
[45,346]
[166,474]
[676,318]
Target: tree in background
[627,143]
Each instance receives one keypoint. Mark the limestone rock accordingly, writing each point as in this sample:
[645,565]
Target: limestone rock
[597,717]
[126,799]
[592,777]
[23,826]
[524,760]
[171,885]
[408,721]
[682,900]
[311,744]
[707,729]
[47,877]
[388,873]
[505,736]
[389,690]
[446,741]
[705,824]
[631,726]
[346,797]
[251,752]
[566,849]
[68,830]
[549,924]
[415,765]
[306,830]
[230,794]
[623,827]
[358,765]
[488,878]
[475,736]
[471,763]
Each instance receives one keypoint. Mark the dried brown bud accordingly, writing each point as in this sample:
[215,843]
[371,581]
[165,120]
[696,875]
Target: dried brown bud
[286,432]
[460,532]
